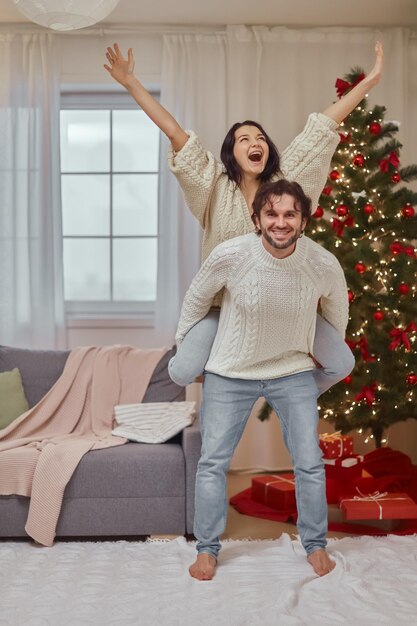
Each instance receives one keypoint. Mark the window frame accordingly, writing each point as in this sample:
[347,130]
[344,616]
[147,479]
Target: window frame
[84,98]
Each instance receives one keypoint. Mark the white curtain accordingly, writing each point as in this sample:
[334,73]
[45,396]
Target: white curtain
[31,291]
[193,89]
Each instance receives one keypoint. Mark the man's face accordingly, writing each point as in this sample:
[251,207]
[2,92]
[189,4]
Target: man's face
[281,224]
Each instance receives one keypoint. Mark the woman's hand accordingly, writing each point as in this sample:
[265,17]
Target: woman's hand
[120,69]
[375,74]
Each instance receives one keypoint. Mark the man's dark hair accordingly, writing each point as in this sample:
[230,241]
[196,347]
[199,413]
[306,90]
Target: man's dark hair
[278,188]
[233,170]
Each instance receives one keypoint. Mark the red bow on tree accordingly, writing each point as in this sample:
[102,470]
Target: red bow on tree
[367,393]
[343,85]
[345,138]
[400,336]
[362,344]
[339,225]
[392,158]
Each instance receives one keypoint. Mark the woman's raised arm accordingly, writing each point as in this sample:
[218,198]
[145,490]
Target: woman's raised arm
[122,70]
[340,109]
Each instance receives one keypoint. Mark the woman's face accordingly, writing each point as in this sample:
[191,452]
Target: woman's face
[250,150]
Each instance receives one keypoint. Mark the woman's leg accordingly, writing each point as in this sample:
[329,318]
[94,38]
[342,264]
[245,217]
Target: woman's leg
[194,351]
[333,354]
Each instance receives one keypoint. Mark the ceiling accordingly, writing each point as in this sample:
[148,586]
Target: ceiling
[296,13]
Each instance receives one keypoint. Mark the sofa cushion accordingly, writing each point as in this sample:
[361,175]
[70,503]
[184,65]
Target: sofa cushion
[131,470]
[40,369]
[12,397]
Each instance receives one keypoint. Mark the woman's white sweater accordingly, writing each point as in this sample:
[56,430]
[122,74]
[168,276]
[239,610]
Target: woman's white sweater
[268,314]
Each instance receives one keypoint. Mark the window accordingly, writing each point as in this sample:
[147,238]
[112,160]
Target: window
[109,182]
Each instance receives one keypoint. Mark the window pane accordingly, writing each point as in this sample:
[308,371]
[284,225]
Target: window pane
[135,142]
[134,273]
[135,204]
[86,269]
[85,141]
[86,204]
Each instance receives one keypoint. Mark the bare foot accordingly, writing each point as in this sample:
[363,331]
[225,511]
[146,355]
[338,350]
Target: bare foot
[204,567]
[321,562]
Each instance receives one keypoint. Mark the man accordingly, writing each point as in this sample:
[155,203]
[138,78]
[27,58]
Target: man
[273,281]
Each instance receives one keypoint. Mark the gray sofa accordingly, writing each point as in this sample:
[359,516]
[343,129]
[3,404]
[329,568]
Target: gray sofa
[134,489]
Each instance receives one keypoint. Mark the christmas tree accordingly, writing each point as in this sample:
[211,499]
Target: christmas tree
[366,218]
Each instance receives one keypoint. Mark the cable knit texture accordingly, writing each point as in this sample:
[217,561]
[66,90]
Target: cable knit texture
[218,203]
[263,294]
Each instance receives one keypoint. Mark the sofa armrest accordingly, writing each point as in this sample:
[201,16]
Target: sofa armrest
[191,445]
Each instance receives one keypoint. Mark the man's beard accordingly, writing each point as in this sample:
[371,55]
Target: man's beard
[284,244]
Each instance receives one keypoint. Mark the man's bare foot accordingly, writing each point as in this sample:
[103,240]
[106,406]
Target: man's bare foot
[204,567]
[321,562]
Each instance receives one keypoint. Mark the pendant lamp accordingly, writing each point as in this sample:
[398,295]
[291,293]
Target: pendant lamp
[65,14]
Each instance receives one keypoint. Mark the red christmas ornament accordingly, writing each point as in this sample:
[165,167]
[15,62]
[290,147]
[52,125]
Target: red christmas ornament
[378,316]
[408,250]
[411,379]
[360,268]
[351,296]
[318,212]
[327,190]
[334,175]
[342,210]
[404,289]
[368,209]
[375,128]
[408,211]
[396,177]
[347,380]
[396,248]
[358,160]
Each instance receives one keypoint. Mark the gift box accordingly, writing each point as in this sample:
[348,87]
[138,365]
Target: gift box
[345,469]
[335,445]
[378,506]
[276,491]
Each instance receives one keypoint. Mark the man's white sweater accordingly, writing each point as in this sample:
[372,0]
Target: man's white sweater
[268,314]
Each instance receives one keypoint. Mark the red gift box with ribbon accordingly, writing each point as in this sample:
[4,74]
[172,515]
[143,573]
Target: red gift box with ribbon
[345,469]
[335,445]
[275,490]
[378,505]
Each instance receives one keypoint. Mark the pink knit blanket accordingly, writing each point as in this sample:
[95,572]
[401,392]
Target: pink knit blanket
[40,450]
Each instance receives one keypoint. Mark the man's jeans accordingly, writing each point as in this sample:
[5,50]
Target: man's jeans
[226,406]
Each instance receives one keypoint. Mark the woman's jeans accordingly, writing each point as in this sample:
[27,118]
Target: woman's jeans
[329,349]
[226,406]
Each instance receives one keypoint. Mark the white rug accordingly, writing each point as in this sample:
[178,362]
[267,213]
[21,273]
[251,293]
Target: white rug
[266,583]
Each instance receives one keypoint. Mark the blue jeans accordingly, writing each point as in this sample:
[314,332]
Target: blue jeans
[226,406]
[329,349]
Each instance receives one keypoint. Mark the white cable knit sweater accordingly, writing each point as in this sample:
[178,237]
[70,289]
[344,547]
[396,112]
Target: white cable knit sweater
[268,314]
[218,203]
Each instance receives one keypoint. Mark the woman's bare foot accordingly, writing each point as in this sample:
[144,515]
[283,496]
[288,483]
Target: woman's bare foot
[204,567]
[321,562]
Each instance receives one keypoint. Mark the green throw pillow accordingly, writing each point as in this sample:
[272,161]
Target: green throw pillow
[12,397]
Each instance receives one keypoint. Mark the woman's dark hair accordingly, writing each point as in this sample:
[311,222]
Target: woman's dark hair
[278,188]
[233,170]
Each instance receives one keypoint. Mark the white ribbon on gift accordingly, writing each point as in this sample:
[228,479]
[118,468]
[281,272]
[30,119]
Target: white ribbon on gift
[278,479]
[371,497]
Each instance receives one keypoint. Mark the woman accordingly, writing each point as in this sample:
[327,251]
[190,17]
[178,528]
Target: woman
[220,195]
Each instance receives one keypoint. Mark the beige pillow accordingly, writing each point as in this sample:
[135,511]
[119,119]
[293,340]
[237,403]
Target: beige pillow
[12,397]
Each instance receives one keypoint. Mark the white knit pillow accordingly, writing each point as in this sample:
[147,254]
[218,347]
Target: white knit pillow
[153,422]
